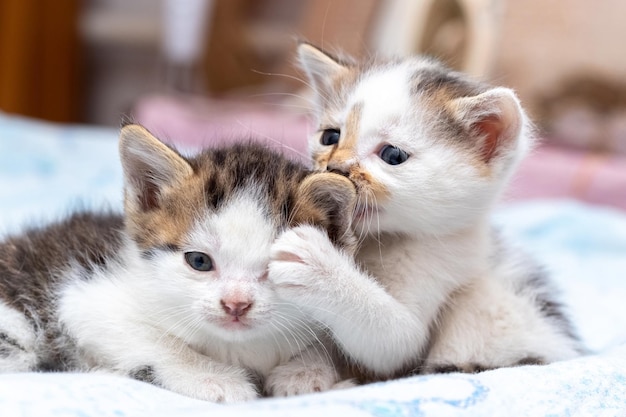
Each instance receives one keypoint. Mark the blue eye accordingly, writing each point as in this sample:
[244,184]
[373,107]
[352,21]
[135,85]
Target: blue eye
[392,155]
[199,261]
[330,137]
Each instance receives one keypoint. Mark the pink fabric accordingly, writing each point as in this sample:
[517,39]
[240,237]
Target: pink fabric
[559,172]
[550,172]
[191,122]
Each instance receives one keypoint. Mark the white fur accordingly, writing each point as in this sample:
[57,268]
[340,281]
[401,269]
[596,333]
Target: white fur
[489,325]
[24,357]
[164,314]
[428,261]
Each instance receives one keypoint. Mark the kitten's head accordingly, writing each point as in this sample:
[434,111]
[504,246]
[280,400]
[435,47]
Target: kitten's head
[205,224]
[428,149]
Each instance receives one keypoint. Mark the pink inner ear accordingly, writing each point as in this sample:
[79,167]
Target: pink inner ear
[288,257]
[490,129]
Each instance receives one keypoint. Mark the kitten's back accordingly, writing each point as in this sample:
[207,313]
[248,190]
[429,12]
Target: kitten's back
[28,261]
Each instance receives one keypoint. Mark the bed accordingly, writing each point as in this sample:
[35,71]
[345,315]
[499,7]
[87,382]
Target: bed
[46,170]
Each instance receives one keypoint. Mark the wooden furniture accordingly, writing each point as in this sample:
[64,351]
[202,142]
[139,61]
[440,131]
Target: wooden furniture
[40,72]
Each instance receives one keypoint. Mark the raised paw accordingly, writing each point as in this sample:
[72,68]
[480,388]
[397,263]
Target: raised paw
[301,258]
[302,244]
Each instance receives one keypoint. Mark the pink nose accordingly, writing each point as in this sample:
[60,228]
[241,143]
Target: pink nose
[236,308]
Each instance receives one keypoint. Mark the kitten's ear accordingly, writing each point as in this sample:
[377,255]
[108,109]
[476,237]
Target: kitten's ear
[494,119]
[321,68]
[328,200]
[149,166]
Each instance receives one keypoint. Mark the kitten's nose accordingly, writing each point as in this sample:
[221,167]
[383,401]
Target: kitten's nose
[236,308]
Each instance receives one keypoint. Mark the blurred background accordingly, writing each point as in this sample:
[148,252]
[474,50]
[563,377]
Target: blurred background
[191,68]
[89,60]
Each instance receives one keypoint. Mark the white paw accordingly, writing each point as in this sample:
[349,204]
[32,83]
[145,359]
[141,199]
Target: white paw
[345,384]
[301,262]
[227,390]
[17,361]
[227,387]
[17,341]
[296,378]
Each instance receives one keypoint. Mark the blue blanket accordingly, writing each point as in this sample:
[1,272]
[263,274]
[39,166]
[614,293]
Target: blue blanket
[46,170]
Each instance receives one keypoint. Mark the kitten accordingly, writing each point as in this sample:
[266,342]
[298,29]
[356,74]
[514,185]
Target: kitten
[434,288]
[175,292]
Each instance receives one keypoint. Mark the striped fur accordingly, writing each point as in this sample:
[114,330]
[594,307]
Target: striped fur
[117,292]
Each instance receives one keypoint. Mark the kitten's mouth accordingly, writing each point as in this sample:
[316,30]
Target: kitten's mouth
[236,323]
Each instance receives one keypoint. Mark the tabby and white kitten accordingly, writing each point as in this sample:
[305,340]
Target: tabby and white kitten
[434,287]
[175,292]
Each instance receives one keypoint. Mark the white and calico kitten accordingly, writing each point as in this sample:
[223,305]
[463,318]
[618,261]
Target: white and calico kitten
[434,288]
[175,292]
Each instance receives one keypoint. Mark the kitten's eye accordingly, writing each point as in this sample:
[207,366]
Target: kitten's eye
[392,155]
[330,137]
[199,261]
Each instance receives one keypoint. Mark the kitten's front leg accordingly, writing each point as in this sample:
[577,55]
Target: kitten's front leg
[171,364]
[370,325]
[195,375]
[174,366]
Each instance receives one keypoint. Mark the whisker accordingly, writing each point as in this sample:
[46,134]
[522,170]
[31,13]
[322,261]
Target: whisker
[319,93]
[286,328]
[299,96]
[306,327]
[305,111]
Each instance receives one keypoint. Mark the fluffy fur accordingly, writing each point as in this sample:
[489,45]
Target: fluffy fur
[433,287]
[102,291]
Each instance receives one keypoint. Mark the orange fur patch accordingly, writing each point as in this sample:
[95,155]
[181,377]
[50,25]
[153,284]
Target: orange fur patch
[327,200]
[364,179]
[351,128]
[171,222]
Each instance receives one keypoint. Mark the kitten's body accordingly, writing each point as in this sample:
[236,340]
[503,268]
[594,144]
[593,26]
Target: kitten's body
[102,291]
[433,288]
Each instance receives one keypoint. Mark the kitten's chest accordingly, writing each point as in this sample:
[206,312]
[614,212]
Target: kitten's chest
[401,264]
[391,261]
[259,356]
